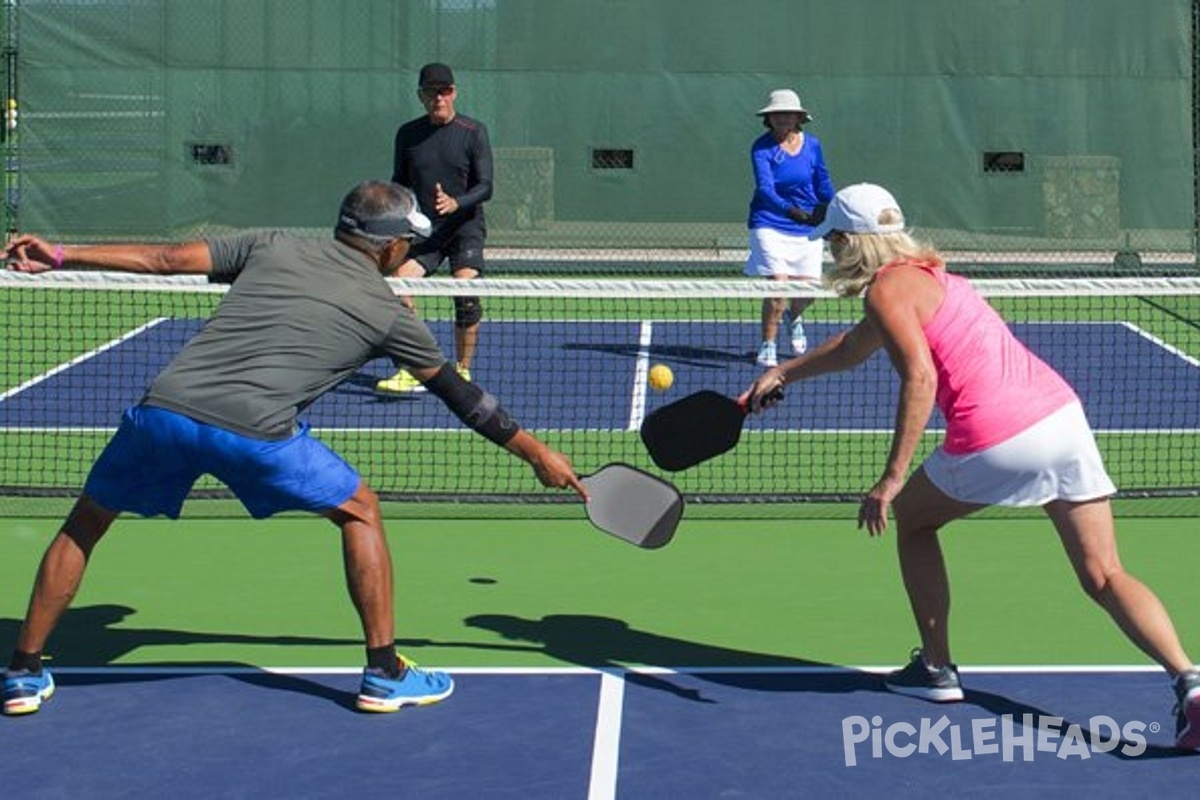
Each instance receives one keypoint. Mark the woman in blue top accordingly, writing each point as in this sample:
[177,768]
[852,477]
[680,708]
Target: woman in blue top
[791,189]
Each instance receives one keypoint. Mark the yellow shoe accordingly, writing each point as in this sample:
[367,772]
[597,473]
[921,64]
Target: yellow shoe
[400,383]
[463,372]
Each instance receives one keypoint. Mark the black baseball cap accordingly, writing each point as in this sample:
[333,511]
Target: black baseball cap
[435,75]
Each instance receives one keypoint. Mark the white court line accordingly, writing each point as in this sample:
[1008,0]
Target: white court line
[1016,669]
[1175,351]
[641,371]
[80,359]
[606,748]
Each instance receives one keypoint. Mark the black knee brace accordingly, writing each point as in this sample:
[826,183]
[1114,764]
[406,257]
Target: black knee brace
[467,311]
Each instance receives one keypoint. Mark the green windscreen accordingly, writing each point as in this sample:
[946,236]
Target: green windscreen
[1003,126]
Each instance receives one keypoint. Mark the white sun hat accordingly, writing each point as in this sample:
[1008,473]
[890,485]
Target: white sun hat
[784,100]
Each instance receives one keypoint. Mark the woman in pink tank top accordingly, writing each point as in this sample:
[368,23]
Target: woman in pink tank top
[1016,435]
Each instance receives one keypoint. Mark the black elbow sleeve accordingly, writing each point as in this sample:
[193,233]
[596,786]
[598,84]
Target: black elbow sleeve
[478,410]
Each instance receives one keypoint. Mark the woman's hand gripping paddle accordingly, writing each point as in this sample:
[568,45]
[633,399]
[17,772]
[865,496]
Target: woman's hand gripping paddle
[694,429]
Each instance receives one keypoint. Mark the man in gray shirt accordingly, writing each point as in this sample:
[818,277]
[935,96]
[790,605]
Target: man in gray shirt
[299,317]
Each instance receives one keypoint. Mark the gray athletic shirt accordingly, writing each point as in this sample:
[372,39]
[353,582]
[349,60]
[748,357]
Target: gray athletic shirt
[300,316]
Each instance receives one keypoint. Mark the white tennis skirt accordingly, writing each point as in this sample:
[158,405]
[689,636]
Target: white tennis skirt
[1054,459]
[775,253]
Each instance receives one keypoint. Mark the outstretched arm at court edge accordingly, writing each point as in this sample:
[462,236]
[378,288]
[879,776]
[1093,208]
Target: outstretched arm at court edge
[841,352]
[552,468]
[28,253]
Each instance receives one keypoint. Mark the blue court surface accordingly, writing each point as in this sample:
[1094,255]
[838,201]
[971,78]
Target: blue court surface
[591,375]
[578,733]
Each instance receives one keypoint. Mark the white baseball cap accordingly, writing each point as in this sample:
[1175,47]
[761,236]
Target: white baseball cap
[856,209]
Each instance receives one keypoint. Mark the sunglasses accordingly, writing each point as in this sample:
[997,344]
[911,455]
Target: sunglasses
[437,91]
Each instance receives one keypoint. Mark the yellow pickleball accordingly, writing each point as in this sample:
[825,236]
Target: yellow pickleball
[660,377]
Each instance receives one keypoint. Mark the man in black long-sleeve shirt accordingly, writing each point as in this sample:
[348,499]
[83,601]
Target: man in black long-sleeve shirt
[445,157]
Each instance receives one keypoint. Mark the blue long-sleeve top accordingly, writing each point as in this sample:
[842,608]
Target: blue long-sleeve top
[783,181]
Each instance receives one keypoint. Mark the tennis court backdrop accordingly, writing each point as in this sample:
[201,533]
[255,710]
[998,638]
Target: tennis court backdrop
[1003,125]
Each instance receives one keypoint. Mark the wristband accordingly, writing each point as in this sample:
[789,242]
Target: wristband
[58,257]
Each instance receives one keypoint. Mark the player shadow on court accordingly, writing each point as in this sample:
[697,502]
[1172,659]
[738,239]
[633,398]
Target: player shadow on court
[92,637]
[604,643]
[999,706]
[678,355]
[610,644]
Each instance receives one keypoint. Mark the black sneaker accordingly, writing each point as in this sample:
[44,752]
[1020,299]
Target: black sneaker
[918,679]
[1187,712]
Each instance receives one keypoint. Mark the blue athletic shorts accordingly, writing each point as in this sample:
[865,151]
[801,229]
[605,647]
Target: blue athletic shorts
[156,456]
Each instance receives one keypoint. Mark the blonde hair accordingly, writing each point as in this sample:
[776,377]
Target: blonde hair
[864,254]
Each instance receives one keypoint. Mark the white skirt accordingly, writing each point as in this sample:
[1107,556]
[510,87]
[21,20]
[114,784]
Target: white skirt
[775,253]
[1054,459]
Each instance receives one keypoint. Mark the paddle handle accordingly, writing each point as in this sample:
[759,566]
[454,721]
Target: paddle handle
[775,395]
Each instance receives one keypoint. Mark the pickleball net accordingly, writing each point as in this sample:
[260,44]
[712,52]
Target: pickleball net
[569,359]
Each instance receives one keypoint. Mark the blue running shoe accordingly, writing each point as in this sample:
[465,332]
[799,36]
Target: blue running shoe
[795,326]
[24,691]
[416,687]
[799,339]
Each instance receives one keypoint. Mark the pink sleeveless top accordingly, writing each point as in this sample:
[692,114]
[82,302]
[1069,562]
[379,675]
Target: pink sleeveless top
[990,386]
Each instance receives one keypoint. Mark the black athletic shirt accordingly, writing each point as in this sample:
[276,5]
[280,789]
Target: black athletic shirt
[457,155]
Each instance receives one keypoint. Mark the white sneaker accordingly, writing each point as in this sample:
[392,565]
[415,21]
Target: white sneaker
[799,340]
[767,356]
